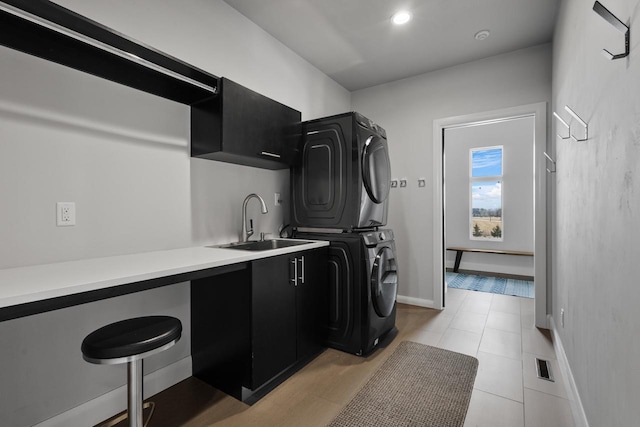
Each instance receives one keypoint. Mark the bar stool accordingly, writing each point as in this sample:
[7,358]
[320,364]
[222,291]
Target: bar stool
[129,341]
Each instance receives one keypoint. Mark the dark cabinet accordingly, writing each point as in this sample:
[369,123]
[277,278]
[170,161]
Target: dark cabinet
[244,127]
[252,329]
[312,303]
[289,312]
[273,318]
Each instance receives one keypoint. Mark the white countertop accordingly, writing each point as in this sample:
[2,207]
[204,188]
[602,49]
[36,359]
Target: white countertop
[40,282]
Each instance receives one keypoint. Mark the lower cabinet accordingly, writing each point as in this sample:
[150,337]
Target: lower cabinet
[252,330]
[288,311]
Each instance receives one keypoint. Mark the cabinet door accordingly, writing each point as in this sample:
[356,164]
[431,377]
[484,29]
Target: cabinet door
[273,318]
[311,302]
[256,126]
[244,127]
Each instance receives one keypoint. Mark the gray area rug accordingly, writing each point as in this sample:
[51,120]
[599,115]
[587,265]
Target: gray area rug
[418,385]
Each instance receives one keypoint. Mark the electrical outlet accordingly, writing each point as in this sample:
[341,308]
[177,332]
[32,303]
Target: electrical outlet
[65,214]
[562,317]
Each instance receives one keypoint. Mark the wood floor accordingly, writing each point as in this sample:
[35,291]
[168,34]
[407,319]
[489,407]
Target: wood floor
[497,329]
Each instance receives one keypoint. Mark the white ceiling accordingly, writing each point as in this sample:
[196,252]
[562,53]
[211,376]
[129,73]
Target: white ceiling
[354,42]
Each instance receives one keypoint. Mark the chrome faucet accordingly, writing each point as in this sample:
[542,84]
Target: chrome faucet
[247,233]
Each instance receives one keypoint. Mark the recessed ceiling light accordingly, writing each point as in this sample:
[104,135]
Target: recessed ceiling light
[482,34]
[400,18]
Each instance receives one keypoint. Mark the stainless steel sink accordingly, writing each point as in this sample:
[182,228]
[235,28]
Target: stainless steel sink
[263,245]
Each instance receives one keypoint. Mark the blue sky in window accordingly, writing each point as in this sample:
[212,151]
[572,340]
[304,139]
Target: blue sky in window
[486,162]
[486,195]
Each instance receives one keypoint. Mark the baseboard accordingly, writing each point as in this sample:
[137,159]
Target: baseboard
[415,301]
[115,401]
[577,410]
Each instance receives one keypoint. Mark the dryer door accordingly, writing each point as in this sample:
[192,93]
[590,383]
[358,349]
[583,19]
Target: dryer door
[384,282]
[376,170]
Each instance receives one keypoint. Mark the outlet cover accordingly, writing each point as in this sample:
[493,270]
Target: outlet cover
[65,214]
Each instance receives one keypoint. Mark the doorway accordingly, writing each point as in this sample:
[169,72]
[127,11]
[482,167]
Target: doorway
[455,126]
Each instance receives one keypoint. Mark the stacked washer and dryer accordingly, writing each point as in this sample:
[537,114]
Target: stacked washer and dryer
[340,190]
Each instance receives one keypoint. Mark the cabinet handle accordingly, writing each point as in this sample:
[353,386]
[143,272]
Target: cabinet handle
[266,153]
[295,272]
[302,273]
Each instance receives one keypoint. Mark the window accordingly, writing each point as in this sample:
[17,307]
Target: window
[485,185]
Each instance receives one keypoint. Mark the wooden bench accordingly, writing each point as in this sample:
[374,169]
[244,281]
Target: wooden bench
[459,252]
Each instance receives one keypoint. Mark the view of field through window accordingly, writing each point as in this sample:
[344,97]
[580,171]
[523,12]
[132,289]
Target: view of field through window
[486,194]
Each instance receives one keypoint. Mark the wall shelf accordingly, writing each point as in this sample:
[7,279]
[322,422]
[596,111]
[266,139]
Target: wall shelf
[49,31]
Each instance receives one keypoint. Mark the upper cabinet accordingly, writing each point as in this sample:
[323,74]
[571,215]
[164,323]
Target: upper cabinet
[244,127]
[228,121]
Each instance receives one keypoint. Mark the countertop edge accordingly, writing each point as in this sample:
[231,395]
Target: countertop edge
[29,284]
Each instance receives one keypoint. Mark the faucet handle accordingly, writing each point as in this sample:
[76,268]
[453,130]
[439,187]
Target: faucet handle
[250,230]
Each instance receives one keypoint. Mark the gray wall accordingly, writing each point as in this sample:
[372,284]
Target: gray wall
[516,138]
[597,214]
[407,109]
[123,157]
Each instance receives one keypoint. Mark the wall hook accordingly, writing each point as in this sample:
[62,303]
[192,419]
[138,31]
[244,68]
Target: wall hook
[565,124]
[613,20]
[582,122]
[552,166]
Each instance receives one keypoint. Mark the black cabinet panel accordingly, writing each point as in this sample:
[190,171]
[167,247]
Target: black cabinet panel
[244,127]
[221,330]
[273,318]
[312,302]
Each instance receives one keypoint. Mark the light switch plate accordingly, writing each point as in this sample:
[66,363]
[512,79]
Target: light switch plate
[394,183]
[422,182]
[403,182]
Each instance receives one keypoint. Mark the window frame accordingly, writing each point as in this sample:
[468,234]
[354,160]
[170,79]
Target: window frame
[488,179]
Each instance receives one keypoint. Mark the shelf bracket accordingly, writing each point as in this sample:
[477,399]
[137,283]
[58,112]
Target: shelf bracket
[613,20]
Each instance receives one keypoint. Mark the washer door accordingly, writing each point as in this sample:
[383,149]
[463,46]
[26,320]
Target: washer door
[384,282]
[376,170]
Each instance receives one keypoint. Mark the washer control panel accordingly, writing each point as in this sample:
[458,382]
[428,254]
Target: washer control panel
[374,238]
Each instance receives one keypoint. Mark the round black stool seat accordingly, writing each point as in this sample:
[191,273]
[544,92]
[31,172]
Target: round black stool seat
[131,339]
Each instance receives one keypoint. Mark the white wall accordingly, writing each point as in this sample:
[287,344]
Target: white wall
[407,109]
[597,216]
[516,138]
[123,157]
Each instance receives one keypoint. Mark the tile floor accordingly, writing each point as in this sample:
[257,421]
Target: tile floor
[497,329]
